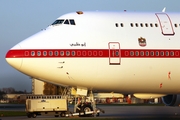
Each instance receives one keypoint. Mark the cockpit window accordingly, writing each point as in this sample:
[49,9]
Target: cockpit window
[58,22]
[72,22]
[66,21]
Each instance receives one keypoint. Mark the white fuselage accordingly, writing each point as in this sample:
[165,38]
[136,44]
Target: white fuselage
[102,52]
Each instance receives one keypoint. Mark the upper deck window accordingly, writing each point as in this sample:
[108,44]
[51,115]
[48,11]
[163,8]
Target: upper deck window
[58,22]
[141,24]
[146,24]
[122,25]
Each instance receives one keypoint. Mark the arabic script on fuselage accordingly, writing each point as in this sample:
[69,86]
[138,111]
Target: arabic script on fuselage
[78,44]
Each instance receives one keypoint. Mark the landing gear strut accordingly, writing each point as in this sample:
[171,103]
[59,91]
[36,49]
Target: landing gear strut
[88,107]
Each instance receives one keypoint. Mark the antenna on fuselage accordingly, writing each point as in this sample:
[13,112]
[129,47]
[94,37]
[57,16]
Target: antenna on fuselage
[164,10]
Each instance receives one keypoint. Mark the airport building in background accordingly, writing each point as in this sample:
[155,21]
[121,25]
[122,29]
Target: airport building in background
[44,88]
[37,87]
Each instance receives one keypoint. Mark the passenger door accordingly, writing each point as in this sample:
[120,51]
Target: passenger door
[165,24]
[114,53]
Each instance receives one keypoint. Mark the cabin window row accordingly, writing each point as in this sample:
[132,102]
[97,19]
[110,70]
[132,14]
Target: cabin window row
[152,53]
[137,25]
[64,53]
[44,97]
[142,25]
[100,53]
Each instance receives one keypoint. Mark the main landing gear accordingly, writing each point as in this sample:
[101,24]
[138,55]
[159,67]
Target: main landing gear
[86,106]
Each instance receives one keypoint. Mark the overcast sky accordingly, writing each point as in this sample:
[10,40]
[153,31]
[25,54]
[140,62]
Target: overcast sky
[20,19]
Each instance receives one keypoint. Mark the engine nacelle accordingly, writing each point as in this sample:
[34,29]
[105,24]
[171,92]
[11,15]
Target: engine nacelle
[148,95]
[171,100]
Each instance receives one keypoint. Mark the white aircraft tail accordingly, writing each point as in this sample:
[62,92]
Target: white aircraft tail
[164,10]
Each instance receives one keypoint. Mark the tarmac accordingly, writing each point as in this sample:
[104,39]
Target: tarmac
[121,112]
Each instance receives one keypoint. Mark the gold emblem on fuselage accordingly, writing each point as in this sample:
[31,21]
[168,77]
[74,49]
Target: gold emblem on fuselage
[142,42]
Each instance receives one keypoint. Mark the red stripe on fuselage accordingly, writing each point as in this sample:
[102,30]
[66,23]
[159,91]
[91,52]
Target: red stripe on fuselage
[93,53]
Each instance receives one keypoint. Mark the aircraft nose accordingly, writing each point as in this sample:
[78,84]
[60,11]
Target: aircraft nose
[14,57]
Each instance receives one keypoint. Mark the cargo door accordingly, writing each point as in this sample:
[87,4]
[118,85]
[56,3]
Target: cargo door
[165,24]
[114,53]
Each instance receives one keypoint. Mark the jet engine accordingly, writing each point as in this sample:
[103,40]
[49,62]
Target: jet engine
[171,100]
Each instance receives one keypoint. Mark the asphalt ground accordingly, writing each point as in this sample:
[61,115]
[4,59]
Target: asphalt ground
[114,112]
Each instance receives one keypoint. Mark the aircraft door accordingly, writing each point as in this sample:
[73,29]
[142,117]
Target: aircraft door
[114,53]
[165,24]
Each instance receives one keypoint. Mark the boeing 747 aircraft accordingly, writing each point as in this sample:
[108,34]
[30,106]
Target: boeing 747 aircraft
[126,52]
